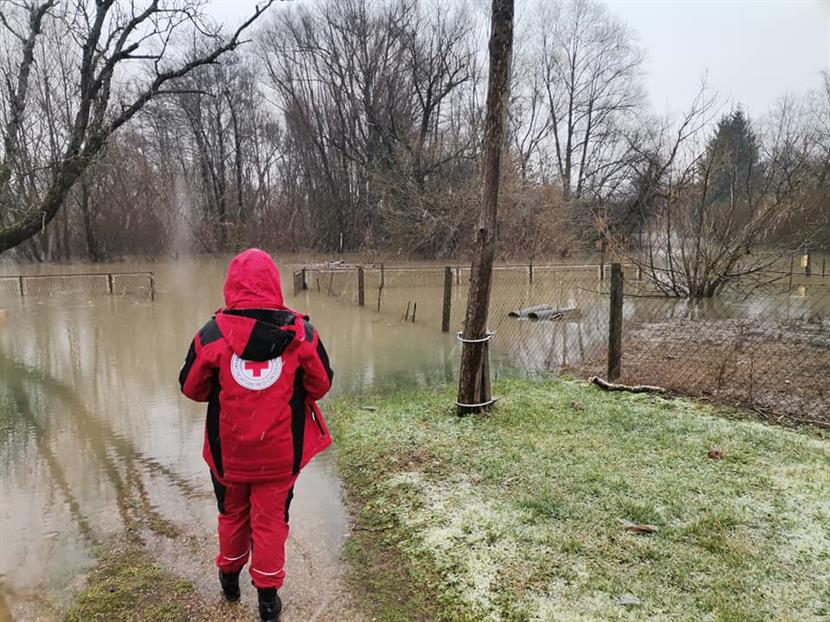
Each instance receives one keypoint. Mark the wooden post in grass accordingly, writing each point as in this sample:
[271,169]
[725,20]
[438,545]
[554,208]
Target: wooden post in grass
[305,281]
[474,382]
[445,317]
[530,272]
[20,286]
[361,287]
[615,323]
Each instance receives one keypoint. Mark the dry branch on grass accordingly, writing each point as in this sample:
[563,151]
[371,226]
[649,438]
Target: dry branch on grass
[635,388]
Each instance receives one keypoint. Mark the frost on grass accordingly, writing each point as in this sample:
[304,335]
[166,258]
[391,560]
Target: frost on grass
[521,522]
[474,542]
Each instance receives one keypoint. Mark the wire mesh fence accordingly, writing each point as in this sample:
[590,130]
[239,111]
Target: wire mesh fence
[765,347]
[113,283]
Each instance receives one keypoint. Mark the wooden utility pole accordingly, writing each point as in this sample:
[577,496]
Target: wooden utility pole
[474,382]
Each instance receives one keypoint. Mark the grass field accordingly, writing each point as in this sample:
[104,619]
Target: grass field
[519,515]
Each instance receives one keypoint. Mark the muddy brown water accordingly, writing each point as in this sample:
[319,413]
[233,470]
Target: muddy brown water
[96,441]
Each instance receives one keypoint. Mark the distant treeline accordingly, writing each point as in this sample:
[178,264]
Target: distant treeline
[357,125]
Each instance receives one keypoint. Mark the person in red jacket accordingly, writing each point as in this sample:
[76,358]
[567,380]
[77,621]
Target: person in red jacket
[260,367]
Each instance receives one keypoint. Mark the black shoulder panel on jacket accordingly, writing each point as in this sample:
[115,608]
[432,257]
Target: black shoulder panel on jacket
[309,330]
[209,332]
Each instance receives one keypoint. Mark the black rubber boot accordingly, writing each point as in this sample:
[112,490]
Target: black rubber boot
[270,604]
[230,585]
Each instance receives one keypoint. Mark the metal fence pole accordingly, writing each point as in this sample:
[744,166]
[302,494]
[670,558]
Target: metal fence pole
[445,319]
[20,286]
[109,284]
[615,324]
[361,292]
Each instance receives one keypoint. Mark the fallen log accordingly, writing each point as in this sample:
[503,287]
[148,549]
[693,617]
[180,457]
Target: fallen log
[634,388]
[550,314]
[527,310]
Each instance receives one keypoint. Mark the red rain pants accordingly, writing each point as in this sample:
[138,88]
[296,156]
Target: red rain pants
[253,521]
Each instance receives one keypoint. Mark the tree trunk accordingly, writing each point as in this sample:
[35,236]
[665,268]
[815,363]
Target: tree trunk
[473,384]
[89,226]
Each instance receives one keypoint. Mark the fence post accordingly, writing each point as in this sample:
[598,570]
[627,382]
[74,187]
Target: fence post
[615,323]
[602,259]
[20,285]
[792,260]
[445,319]
[382,276]
[109,283]
[361,292]
[530,271]
[305,282]
[808,265]
[152,286]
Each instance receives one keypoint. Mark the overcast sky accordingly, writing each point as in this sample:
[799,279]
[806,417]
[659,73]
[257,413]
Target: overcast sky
[752,51]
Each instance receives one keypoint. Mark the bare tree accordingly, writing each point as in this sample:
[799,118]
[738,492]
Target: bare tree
[373,97]
[704,213]
[590,72]
[113,42]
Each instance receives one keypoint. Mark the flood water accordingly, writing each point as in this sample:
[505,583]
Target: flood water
[96,441]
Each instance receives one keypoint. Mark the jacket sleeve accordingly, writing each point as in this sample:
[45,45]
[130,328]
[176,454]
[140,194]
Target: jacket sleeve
[317,372]
[198,373]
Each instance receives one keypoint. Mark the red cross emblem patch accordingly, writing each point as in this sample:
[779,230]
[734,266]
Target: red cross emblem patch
[256,375]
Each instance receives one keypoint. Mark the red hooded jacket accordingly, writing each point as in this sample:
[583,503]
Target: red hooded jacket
[260,367]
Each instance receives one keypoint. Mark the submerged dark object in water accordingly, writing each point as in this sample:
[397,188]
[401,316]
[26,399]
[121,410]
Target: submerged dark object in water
[541,312]
[524,313]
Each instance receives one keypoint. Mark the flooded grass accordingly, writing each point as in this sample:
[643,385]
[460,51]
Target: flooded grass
[127,585]
[518,515]
[779,369]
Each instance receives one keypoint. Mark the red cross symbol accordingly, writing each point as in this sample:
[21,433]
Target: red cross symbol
[256,367]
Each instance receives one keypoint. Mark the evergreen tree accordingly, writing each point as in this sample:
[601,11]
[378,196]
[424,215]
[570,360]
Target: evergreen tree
[734,168]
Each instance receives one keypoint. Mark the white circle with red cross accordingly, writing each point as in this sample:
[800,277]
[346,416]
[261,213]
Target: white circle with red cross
[256,375]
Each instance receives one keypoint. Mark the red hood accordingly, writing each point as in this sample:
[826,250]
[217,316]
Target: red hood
[253,282]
